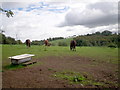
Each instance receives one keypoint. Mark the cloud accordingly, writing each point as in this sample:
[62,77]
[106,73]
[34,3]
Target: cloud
[40,21]
[44,6]
[30,6]
[94,15]
[36,24]
[14,5]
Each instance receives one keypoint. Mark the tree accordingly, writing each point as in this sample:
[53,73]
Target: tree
[7,40]
[10,40]
[98,39]
[8,12]
[2,38]
[97,33]
[19,42]
[106,33]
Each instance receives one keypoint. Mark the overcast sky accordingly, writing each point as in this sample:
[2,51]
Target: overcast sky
[58,18]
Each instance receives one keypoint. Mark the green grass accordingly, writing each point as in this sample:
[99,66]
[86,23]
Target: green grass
[67,41]
[99,54]
[105,54]
[76,78]
[13,67]
[71,76]
[50,69]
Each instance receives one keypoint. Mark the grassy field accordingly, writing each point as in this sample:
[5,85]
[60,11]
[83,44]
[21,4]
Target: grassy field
[86,67]
[98,53]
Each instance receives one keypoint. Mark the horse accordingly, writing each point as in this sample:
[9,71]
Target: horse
[73,45]
[46,42]
[28,43]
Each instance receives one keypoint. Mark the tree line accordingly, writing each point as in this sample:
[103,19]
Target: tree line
[8,40]
[105,38]
[41,42]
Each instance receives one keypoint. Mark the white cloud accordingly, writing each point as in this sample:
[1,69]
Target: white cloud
[35,24]
[97,14]
[38,21]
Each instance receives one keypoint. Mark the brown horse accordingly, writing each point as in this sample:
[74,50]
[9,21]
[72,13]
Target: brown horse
[73,45]
[28,43]
[46,42]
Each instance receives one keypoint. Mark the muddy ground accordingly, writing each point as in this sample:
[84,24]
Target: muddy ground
[40,75]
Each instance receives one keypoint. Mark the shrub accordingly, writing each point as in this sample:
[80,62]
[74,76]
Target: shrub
[112,45]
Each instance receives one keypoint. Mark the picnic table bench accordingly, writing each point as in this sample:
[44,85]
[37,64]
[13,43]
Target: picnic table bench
[21,58]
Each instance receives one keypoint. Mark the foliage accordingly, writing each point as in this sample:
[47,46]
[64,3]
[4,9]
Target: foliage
[19,42]
[118,41]
[41,42]
[36,42]
[97,39]
[8,40]
[55,38]
[9,13]
[106,33]
[112,45]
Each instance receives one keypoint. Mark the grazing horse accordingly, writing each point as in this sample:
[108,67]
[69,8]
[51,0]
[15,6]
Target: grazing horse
[28,43]
[73,45]
[46,42]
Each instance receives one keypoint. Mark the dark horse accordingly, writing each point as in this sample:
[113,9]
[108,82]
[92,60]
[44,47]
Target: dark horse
[73,45]
[28,43]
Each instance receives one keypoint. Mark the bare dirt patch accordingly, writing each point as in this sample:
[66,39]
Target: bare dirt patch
[41,76]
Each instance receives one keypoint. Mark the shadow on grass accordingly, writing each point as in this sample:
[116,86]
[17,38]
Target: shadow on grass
[13,67]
